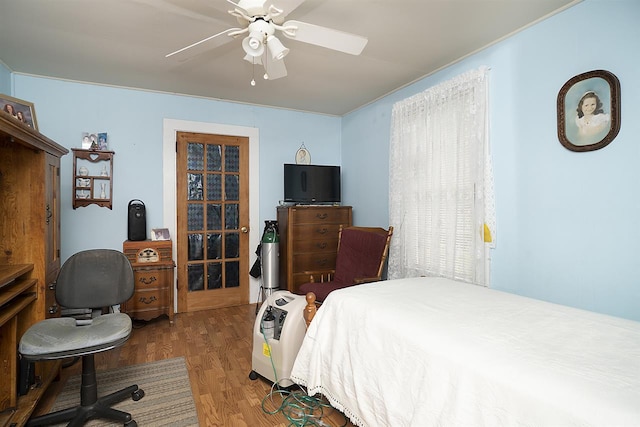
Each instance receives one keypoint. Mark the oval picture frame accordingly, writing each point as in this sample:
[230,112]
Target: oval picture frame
[303,157]
[599,90]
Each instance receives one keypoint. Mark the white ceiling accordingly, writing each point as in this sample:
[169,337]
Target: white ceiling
[124,43]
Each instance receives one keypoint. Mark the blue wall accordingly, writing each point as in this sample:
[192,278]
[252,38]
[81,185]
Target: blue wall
[5,80]
[568,228]
[568,223]
[133,120]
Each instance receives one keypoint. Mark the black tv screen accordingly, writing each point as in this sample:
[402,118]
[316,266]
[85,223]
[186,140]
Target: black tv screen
[311,183]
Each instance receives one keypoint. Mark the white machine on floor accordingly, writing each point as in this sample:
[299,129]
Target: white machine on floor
[277,336]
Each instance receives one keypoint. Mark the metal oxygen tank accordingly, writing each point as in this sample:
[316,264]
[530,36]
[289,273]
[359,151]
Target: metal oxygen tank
[270,254]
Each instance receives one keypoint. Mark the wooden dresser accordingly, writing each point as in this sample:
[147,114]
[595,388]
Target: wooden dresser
[153,272]
[308,240]
[29,256]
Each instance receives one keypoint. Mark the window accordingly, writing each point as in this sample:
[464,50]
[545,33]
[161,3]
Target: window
[441,184]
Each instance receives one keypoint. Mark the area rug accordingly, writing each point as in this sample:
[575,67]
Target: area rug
[167,400]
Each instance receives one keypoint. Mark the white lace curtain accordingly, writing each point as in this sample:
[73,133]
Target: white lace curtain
[441,185]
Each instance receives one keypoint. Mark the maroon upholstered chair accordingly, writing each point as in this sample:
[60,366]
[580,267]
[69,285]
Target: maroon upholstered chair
[362,252]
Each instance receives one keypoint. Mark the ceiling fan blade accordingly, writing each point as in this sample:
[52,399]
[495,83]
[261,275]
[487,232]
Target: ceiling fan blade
[254,9]
[325,37]
[202,45]
[274,69]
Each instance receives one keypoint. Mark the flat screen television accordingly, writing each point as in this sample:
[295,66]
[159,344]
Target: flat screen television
[309,184]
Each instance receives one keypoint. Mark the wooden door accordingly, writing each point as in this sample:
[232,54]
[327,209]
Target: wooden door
[212,221]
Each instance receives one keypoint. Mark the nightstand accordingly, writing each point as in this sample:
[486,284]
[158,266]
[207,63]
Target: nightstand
[153,268]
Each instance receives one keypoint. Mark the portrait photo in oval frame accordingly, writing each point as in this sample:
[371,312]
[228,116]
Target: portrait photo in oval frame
[589,111]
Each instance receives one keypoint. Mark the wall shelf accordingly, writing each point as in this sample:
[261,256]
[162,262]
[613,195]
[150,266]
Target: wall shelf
[92,178]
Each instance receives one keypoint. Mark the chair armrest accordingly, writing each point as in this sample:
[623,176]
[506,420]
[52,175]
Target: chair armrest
[360,280]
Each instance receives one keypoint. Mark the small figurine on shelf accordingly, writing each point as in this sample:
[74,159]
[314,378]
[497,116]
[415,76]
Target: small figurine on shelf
[103,193]
[83,171]
[104,170]
[94,141]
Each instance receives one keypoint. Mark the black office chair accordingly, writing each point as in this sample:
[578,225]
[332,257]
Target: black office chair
[89,279]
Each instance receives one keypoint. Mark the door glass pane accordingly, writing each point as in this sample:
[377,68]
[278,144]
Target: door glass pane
[195,216]
[214,275]
[214,187]
[194,186]
[214,217]
[231,217]
[232,274]
[196,277]
[196,247]
[231,187]
[232,245]
[195,156]
[214,246]
[232,158]
[214,158]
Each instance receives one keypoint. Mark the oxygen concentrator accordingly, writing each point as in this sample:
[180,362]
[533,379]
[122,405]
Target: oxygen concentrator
[277,336]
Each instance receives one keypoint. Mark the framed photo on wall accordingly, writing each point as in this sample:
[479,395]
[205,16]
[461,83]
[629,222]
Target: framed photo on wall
[23,111]
[589,111]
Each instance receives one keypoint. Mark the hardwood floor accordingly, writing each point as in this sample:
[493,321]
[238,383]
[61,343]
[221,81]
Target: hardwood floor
[217,346]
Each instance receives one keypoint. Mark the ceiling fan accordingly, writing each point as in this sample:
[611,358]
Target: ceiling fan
[261,21]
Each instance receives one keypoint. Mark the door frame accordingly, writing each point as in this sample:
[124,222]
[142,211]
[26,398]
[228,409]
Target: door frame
[170,128]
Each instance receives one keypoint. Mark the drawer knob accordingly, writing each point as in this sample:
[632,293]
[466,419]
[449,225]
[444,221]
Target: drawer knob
[322,245]
[322,231]
[53,309]
[144,300]
[322,215]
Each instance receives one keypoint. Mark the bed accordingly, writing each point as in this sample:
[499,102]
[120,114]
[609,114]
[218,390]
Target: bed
[435,352]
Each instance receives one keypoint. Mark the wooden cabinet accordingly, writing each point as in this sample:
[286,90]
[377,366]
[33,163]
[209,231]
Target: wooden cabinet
[92,178]
[308,241]
[29,254]
[153,272]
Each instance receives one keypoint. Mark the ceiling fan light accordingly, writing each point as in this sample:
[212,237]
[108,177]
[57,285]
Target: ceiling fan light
[252,45]
[276,48]
[257,60]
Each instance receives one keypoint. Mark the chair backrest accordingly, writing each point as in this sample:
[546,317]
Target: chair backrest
[95,278]
[362,252]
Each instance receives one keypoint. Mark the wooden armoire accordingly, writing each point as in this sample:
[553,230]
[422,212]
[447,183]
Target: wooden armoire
[29,256]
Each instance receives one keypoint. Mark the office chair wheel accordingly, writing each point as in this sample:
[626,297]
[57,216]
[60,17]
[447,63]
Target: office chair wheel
[131,423]
[253,375]
[137,395]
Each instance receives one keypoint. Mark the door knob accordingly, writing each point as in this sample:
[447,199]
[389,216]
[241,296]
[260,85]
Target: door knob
[244,230]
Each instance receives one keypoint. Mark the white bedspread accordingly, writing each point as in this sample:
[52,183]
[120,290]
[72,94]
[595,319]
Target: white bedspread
[434,352]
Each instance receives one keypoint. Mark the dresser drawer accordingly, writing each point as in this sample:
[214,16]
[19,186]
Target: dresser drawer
[151,299]
[147,305]
[152,278]
[329,244]
[314,261]
[316,232]
[328,215]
